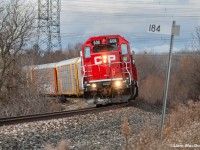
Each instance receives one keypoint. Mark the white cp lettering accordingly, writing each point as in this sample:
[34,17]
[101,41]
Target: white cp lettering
[98,59]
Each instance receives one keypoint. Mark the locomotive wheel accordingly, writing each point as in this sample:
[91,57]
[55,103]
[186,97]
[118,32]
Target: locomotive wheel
[134,91]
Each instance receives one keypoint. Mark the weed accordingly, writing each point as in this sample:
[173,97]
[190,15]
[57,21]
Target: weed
[62,145]
[126,131]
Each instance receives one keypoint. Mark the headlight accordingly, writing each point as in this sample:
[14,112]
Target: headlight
[94,85]
[104,57]
[118,83]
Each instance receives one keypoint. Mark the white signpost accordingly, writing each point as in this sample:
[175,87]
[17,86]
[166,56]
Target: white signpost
[159,28]
[169,30]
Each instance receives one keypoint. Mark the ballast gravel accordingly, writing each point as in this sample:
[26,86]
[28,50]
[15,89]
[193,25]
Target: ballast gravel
[84,132]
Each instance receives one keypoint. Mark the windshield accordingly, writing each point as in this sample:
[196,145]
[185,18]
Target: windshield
[100,48]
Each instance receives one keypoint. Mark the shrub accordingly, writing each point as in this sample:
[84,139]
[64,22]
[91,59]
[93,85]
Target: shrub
[151,89]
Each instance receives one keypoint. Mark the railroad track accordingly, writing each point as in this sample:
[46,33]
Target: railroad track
[56,115]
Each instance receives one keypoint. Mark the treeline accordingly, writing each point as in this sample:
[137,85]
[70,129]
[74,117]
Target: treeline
[35,56]
[184,79]
[17,93]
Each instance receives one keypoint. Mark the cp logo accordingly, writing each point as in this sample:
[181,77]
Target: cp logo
[98,59]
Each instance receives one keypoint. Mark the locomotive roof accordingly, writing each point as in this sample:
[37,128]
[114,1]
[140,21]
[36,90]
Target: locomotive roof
[45,66]
[108,36]
[52,65]
[67,62]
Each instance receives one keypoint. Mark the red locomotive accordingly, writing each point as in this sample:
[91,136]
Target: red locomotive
[105,72]
[108,71]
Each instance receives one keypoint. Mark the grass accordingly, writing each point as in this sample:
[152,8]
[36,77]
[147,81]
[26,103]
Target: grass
[182,128]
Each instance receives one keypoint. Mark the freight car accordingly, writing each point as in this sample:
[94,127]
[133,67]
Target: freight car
[61,78]
[104,73]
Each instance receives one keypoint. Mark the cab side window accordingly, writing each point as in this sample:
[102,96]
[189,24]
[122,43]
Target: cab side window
[87,52]
[124,49]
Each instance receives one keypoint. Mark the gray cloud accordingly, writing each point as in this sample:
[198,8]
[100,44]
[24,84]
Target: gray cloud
[81,19]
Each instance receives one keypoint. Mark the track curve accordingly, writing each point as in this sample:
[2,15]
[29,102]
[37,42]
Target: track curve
[55,115]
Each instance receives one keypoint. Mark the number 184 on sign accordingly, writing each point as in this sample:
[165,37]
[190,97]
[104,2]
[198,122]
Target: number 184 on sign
[159,28]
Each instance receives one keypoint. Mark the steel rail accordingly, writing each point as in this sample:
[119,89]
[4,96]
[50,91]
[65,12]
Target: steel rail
[56,115]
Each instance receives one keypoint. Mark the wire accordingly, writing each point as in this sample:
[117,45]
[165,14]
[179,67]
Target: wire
[127,13]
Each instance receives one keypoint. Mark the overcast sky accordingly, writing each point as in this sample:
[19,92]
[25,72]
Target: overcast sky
[81,19]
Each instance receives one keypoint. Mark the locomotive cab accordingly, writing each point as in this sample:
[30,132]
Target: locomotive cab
[109,74]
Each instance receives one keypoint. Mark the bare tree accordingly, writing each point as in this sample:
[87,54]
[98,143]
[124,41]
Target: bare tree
[195,74]
[195,44]
[17,18]
[73,50]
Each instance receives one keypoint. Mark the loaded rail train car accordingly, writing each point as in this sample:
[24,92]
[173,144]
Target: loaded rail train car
[43,76]
[104,73]
[61,78]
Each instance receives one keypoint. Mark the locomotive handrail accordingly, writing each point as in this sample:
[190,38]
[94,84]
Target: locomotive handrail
[126,67]
[83,74]
[126,70]
[129,74]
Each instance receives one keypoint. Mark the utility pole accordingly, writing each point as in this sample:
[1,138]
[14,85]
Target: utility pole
[44,36]
[49,25]
[55,8]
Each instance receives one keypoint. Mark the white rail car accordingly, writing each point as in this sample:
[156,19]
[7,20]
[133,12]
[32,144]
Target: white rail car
[61,78]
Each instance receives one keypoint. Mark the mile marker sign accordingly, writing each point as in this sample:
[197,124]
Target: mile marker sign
[159,28]
[170,30]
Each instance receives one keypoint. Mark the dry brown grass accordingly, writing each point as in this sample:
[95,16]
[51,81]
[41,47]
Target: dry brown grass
[184,79]
[182,127]
[151,89]
[126,131]
[28,103]
[62,145]
[54,105]
[143,139]
[184,114]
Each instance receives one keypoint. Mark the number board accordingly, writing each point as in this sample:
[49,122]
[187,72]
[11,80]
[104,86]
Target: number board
[96,42]
[159,28]
[113,41]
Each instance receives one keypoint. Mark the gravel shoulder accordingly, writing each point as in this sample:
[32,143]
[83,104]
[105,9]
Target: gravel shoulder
[85,132]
